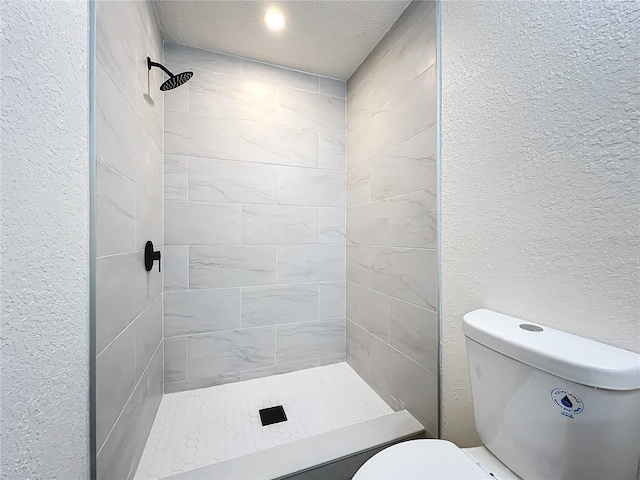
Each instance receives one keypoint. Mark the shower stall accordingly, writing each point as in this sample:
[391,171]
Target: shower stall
[266,253]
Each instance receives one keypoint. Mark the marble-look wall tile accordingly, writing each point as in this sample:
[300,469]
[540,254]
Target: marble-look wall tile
[332,298]
[201,311]
[368,224]
[225,96]
[175,266]
[231,266]
[274,305]
[359,185]
[178,98]
[407,167]
[406,273]
[332,225]
[148,218]
[333,87]
[280,145]
[413,220]
[188,58]
[359,349]
[197,135]
[281,225]
[279,369]
[265,72]
[370,138]
[115,214]
[359,265]
[310,263]
[202,382]
[215,354]
[147,330]
[192,223]
[416,389]
[414,332]
[359,103]
[175,177]
[313,187]
[115,379]
[175,359]
[301,341]
[224,181]
[332,151]
[123,290]
[369,309]
[301,109]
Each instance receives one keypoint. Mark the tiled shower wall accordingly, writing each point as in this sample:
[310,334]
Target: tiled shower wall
[128,213]
[392,219]
[254,220]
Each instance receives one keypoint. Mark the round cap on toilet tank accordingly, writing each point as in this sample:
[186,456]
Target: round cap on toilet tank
[556,352]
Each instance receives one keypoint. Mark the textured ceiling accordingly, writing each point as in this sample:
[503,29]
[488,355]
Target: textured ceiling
[329,38]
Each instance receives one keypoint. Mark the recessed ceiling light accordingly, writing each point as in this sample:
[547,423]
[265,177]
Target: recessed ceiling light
[274,19]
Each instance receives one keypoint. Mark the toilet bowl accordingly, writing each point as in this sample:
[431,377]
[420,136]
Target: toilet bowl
[433,460]
[547,405]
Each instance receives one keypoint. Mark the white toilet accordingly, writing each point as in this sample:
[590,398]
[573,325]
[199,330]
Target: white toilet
[547,404]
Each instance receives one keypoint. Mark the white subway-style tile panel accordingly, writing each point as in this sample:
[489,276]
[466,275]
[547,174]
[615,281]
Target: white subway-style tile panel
[193,223]
[279,225]
[279,145]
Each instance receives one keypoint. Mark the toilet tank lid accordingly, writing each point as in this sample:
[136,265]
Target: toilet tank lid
[559,353]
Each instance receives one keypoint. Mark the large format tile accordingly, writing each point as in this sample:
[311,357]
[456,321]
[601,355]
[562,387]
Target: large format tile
[333,87]
[175,267]
[197,135]
[272,305]
[413,220]
[369,309]
[215,354]
[368,224]
[359,349]
[225,96]
[407,167]
[332,151]
[192,223]
[310,263]
[231,266]
[280,145]
[265,72]
[359,103]
[279,225]
[115,379]
[201,311]
[188,58]
[227,181]
[313,187]
[359,184]
[332,298]
[175,359]
[332,225]
[310,110]
[406,273]
[148,219]
[175,177]
[414,331]
[148,334]
[123,290]
[301,341]
[415,388]
[369,138]
[359,265]
[115,214]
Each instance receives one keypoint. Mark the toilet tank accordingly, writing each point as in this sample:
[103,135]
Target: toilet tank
[552,405]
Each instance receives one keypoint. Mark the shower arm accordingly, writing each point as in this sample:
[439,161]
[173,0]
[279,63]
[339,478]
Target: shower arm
[154,64]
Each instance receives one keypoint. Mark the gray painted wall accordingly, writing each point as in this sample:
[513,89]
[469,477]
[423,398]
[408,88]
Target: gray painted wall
[540,175]
[254,220]
[129,363]
[45,239]
[391,217]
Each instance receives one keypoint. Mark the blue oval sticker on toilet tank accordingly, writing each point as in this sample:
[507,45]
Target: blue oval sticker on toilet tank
[568,402]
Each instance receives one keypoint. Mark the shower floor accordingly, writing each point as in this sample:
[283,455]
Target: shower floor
[205,426]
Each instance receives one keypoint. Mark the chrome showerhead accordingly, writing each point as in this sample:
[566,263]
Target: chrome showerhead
[173,81]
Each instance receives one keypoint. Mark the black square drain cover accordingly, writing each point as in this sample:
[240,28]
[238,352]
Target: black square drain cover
[272,415]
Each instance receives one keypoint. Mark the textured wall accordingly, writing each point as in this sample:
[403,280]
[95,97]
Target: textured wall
[45,225]
[254,220]
[540,175]
[391,217]
[129,111]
